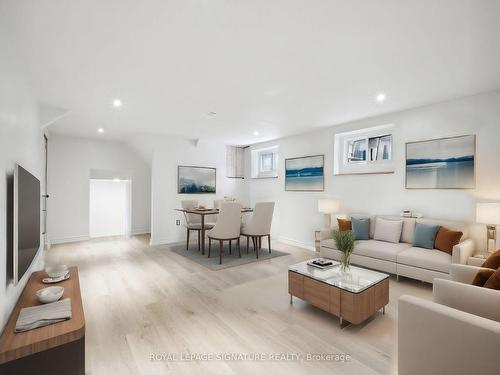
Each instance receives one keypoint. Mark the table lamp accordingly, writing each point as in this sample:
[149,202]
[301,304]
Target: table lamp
[489,214]
[328,207]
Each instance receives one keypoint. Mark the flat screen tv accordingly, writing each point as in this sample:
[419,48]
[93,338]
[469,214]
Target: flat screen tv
[26,228]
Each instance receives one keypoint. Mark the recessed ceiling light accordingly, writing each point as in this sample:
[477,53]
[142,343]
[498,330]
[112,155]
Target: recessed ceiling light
[212,114]
[256,133]
[117,103]
[380,97]
[100,130]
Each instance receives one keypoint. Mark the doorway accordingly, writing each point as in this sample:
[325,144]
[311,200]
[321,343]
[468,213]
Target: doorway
[110,208]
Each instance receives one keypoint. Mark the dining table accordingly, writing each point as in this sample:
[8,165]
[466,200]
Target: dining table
[203,212]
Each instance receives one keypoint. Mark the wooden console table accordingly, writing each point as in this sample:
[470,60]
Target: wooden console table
[54,349]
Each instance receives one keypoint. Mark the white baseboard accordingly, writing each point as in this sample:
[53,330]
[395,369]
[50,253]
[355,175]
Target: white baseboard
[165,241]
[140,231]
[53,241]
[289,241]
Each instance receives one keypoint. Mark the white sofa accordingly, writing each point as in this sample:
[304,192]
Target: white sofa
[402,258]
[457,333]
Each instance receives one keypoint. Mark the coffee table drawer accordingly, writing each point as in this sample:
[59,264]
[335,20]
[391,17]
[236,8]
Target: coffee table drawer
[296,284]
[317,293]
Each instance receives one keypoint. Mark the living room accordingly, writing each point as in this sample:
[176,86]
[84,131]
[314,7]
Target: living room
[196,187]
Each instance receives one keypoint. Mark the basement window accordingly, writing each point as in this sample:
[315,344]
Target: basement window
[264,162]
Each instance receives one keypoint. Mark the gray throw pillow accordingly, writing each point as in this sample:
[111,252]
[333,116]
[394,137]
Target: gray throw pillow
[425,235]
[361,228]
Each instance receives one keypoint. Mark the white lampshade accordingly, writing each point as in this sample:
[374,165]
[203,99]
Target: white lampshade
[328,206]
[488,213]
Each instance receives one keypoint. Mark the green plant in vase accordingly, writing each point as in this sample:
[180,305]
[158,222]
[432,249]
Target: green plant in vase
[345,244]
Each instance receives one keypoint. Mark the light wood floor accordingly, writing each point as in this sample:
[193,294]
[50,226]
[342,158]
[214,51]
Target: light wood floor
[140,300]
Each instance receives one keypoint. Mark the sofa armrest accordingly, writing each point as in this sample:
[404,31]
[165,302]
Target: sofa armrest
[326,234]
[467,298]
[437,339]
[462,251]
[464,273]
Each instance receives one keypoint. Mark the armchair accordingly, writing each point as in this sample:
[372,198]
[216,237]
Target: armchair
[456,333]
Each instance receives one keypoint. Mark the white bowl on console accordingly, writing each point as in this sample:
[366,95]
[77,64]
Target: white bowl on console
[56,272]
[50,294]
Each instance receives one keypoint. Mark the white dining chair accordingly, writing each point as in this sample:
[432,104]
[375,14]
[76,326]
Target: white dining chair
[227,228]
[259,225]
[193,221]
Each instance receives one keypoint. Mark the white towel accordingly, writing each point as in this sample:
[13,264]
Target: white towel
[43,315]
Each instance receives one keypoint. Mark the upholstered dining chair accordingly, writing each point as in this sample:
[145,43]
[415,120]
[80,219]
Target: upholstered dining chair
[259,225]
[227,228]
[193,221]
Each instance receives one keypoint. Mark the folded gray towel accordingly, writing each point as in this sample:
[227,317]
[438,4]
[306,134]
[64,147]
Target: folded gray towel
[43,315]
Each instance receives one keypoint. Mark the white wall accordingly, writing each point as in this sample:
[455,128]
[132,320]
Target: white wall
[71,162]
[20,142]
[296,212]
[170,152]
[109,209]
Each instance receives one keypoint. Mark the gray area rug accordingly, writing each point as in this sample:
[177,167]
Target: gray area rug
[227,260]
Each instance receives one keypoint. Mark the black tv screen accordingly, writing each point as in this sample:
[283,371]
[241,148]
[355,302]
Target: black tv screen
[26,220]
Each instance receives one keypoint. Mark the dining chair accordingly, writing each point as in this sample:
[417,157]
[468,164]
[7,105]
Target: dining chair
[227,228]
[259,225]
[193,221]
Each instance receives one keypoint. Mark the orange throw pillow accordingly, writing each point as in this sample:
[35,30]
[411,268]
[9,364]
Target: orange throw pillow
[482,277]
[344,224]
[446,239]
[493,261]
[494,281]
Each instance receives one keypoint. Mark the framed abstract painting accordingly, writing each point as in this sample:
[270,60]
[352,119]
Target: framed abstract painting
[196,180]
[305,173]
[444,163]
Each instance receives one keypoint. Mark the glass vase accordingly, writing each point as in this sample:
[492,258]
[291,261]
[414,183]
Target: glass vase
[345,262]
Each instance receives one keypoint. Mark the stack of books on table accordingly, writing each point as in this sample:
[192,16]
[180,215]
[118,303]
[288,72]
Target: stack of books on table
[322,263]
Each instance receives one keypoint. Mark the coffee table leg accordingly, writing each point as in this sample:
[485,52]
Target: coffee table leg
[383,310]
[202,234]
[291,299]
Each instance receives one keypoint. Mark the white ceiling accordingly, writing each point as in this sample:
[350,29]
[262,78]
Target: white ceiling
[277,66]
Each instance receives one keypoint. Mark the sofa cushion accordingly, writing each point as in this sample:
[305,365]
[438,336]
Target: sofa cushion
[329,243]
[379,249]
[373,249]
[446,239]
[388,230]
[425,235]
[408,226]
[361,228]
[434,259]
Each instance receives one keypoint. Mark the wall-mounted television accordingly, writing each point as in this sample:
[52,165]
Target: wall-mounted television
[26,223]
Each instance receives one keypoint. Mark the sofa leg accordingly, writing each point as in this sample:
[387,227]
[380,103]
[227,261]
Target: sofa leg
[397,278]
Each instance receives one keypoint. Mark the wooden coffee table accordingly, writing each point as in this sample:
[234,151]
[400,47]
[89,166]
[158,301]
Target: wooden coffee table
[353,297]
